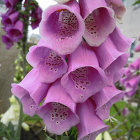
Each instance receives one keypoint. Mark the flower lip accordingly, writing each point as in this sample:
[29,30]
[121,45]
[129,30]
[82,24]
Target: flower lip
[30,91]
[104,100]
[51,65]
[84,80]
[59,110]
[66,23]
[29,105]
[67,26]
[84,76]
[58,115]
[115,66]
[94,27]
[99,21]
[41,52]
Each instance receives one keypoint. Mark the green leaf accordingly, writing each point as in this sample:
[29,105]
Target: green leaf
[65,138]
[137,2]
[48,138]
[11,128]
[34,118]
[73,133]
[5,131]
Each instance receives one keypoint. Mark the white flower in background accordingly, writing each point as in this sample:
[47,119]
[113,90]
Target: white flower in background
[99,137]
[12,114]
[104,136]
[107,136]
[62,1]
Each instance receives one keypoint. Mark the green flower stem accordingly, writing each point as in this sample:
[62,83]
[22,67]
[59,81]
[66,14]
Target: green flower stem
[23,53]
[117,110]
[18,132]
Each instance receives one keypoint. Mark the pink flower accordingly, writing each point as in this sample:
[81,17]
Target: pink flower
[105,99]
[50,65]
[99,21]
[30,92]
[65,34]
[16,32]
[132,83]
[36,17]
[9,20]
[90,124]
[58,111]
[10,3]
[7,41]
[135,65]
[117,6]
[131,92]
[84,77]
[81,58]
[137,49]
[114,58]
[122,43]
[131,78]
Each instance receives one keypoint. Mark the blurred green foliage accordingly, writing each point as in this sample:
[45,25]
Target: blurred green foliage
[137,2]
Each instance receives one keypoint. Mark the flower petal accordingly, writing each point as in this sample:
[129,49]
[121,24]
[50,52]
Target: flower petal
[31,88]
[110,59]
[84,77]
[99,21]
[117,6]
[10,3]
[36,54]
[67,25]
[9,20]
[116,66]
[6,39]
[118,75]
[29,106]
[132,92]
[58,110]
[107,53]
[121,42]
[105,99]
[135,65]
[133,83]
[90,124]
[137,49]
